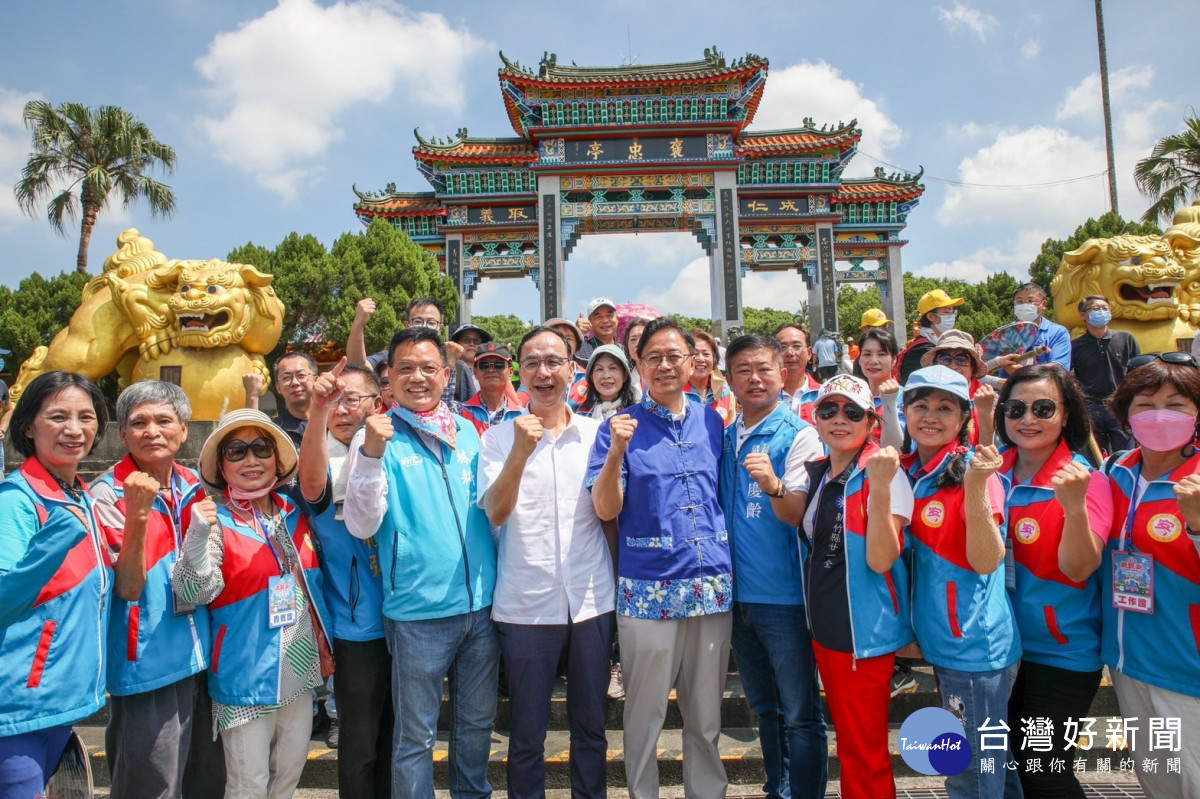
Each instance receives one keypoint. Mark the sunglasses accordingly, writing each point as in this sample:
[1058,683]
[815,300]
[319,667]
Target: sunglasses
[953,359]
[1042,408]
[492,365]
[1177,358]
[827,410]
[236,450]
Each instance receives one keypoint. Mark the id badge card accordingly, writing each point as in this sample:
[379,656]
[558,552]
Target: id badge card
[281,591]
[180,607]
[1133,582]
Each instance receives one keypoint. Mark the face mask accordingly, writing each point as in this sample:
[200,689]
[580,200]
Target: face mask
[946,322]
[1099,318]
[1163,430]
[1026,312]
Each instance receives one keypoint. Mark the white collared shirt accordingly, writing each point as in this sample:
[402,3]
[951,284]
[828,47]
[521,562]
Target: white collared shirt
[553,563]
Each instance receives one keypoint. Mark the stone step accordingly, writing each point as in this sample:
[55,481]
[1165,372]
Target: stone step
[734,710]
[740,752]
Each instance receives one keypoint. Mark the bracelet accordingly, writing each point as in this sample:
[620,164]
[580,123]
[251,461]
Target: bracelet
[1190,531]
[782,489]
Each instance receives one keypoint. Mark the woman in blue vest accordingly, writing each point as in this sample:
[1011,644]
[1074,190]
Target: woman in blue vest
[1151,573]
[55,582]
[1059,513]
[856,503]
[251,557]
[960,610]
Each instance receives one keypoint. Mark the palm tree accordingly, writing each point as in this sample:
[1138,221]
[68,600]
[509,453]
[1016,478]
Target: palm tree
[1171,175]
[95,151]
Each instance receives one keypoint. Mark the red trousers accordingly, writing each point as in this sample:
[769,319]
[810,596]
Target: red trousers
[860,694]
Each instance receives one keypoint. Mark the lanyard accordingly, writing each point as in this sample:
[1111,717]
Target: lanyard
[1127,534]
[176,510]
[261,526]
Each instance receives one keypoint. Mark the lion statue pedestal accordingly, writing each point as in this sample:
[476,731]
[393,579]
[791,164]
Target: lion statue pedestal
[200,324]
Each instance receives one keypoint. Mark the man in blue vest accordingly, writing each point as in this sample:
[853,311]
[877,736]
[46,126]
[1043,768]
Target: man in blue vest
[342,400]
[411,485]
[770,630]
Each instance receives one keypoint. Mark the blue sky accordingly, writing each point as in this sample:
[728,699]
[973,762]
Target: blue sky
[276,109]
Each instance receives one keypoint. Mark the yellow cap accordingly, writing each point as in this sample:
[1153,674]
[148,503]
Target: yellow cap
[937,299]
[874,317]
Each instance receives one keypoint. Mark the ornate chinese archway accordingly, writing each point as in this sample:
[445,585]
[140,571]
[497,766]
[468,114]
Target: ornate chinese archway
[654,147]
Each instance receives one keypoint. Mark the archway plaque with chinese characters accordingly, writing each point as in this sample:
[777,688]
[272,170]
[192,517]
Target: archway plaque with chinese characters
[654,147]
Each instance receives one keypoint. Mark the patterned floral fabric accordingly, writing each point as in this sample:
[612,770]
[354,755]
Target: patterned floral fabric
[674,599]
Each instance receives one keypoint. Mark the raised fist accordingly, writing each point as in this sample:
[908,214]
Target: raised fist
[527,432]
[883,465]
[622,426]
[363,311]
[140,490]
[379,432]
[255,384]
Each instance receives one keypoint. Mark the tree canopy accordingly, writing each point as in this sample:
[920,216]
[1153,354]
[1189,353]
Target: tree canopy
[1044,266]
[1170,175]
[82,156]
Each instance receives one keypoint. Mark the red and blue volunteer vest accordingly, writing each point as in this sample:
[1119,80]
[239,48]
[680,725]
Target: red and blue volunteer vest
[1059,618]
[148,645]
[54,604]
[246,650]
[963,619]
[1160,648]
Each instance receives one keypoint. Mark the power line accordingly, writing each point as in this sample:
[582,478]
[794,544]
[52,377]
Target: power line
[991,186]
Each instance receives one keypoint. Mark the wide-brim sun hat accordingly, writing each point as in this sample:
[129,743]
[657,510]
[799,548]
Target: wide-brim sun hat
[852,388]
[286,457]
[612,350]
[558,320]
[956,339]
[942,378]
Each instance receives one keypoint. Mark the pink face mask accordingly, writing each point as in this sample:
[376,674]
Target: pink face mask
[241,495]
[1163,430]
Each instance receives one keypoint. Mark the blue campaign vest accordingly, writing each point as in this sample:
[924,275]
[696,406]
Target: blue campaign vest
[766,551]
[246,651]
[435,544]
[963,619]
[880,620]
[54,606]
[1058,618]
[1161,648]
[353,579]
[148,645]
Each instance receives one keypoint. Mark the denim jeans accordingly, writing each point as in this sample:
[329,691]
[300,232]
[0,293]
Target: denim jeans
[779,674]
[978,699]
[464,648]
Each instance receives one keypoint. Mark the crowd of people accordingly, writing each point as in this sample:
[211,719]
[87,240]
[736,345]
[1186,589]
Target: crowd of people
[623,503]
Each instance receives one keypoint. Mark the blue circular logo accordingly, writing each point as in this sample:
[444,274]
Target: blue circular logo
[932,742]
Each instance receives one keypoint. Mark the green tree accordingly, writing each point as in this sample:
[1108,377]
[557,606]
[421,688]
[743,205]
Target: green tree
[1170,175]
[33,314]
[504,328]
[766,320]
[1045,265]
[94,152]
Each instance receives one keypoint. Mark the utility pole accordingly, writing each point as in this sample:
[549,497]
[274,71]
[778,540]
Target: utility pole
[1108,135]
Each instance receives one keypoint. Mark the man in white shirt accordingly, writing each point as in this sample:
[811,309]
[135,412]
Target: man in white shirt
[555,593]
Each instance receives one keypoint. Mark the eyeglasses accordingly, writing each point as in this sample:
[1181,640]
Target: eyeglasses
[1042,408]
[352,401]
[491,365]
[794,347]
[470,341]
[432,322]
[406,370]
[293,377]
[953,359]
[236,450]
[551,364]
[1177,358]
[672,359]
[827,410]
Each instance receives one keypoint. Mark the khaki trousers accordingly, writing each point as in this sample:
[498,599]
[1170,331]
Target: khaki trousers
[264,758]
[1144,701]
[692,656]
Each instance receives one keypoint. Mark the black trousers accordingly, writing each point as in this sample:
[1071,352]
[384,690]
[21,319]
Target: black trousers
[532,653]
[362,687]
[1108,433]
[1057,694]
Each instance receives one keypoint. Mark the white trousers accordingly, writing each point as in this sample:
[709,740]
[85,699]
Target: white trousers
[692,656]
[265,757]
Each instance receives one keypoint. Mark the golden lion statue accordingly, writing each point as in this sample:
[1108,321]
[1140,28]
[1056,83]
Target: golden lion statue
[1152,295]
[201,324]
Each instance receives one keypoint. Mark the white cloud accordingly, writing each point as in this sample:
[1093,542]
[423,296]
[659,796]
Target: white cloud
[689,293]
[1012,256]
[969,131]
[14,149]
[820,91]
[963,16]
[1031,49]
[282,81]
[1035,155]
[1126,84]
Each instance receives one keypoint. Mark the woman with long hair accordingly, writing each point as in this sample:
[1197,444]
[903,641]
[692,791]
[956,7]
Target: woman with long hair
[250,554]
[610,384]
[55,582]
[1059,513]
[1151,574]
[960,610]
[877,353]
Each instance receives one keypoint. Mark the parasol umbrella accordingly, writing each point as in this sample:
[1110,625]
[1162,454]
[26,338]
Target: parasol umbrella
[628,311]
[1012,339]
